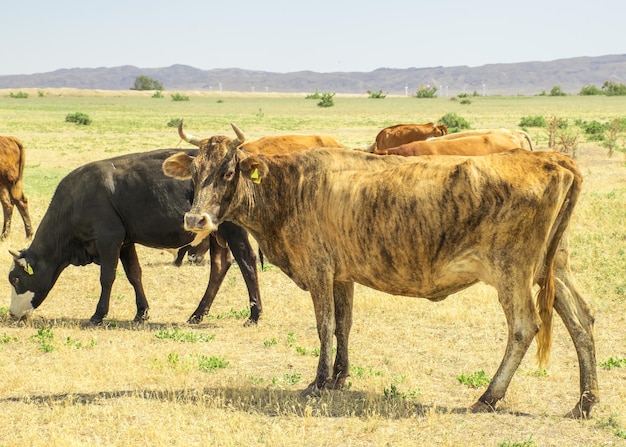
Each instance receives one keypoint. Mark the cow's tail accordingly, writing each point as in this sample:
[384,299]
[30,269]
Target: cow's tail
[546,295]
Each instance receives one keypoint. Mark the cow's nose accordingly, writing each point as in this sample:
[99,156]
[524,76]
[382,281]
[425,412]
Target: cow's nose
[196,222]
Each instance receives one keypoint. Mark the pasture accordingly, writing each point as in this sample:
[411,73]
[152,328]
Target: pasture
[416,365]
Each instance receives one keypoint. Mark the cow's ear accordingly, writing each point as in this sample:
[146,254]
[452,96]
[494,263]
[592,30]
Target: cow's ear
[253,168]
[178,166]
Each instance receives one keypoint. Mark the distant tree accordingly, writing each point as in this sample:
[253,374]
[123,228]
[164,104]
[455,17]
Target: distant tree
[556,91]
[590,90]
[143,82]
[425,92]
[612,88]
[326,100]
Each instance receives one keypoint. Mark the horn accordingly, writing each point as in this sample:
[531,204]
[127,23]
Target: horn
[241,138]
[15,254]
[186,136]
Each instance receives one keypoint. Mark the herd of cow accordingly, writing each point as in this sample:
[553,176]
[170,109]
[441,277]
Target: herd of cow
[490,209]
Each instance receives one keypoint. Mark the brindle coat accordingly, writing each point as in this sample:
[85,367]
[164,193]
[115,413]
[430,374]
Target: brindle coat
[497,219]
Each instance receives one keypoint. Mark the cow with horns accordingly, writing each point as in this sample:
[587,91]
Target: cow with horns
[433,226]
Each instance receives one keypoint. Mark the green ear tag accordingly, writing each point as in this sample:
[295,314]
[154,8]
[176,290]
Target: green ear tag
[29,269]
[255,176]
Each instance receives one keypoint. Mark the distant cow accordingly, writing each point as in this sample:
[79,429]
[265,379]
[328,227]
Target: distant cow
[12,162]
[405,133]
[432,226]
[472,145]
[523,139]
[273,144]
[100,211]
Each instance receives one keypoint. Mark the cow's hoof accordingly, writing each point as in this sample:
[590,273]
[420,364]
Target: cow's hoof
[195,319]
[251,323]
[141,317]
[312,391]
[96,320]
[482,407]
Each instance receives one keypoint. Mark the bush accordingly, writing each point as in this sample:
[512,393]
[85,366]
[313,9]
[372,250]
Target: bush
[594,130]
[425,92]
[315,95]
[158,94]
[556,91]
[174,122]
[612,88]
[376,95]
[590,90]
[179,97]
[143,82]
[532,121]
[78,118]
[326,100]
[19,95]
[454,123]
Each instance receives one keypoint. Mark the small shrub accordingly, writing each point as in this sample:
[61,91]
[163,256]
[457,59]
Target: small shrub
[40,93]
[19,95]
[454,122]
[475,380]
[315,95]
[376,95]
[426,92]
[465,101]
[590,90]
[179,97]
[211,363]
[158,94]
[532,121]
[556,91]
[326,100]
[78,118]
[594,130]
[174,122]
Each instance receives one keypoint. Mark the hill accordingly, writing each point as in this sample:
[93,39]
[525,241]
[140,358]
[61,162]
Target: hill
[526,78]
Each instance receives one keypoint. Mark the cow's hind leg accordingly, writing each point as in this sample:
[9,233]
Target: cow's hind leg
[523,325]
[221,260]
[132,268]
[241,249]
[7,209]
[578,319]
[21,203]
[344,298]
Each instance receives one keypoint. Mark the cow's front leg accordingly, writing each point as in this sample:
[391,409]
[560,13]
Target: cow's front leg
[132,268]
[323,303]
[344,298]
[107,276]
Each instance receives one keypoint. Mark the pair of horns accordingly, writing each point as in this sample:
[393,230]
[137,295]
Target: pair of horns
[241,138]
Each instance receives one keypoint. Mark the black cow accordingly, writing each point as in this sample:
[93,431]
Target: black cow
[100,211]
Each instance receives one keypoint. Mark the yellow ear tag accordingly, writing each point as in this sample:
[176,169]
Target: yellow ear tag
[29,269]
[255,176]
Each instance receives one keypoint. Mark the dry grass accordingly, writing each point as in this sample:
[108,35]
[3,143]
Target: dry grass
[67,383]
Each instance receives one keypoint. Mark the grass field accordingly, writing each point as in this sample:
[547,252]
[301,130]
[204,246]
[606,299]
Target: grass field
[67,383]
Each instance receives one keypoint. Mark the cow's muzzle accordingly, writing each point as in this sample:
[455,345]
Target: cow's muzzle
[199,223]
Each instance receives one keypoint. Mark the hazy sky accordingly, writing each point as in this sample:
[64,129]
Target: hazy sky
[38,36]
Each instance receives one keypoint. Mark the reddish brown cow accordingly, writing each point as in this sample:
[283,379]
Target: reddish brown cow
[474,145]
[523,139]
[405,133]
[12,162]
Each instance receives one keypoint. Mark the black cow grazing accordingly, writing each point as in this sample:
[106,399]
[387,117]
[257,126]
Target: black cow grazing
[100,211]
[12,162]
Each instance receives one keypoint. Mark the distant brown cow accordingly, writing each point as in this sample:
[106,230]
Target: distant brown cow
[474,145]
[524,140]
[12,161]
[405,133]
[273,144]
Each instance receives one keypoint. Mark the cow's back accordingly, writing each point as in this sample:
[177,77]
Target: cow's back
[283,144]
[405,133]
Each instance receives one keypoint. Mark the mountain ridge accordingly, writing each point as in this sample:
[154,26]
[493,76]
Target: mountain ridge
[521,78]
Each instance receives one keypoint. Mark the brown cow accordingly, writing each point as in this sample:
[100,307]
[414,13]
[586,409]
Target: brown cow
[272,144]
[12,162]
[432,225]
[523,139]
[473,145]
[405,133]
